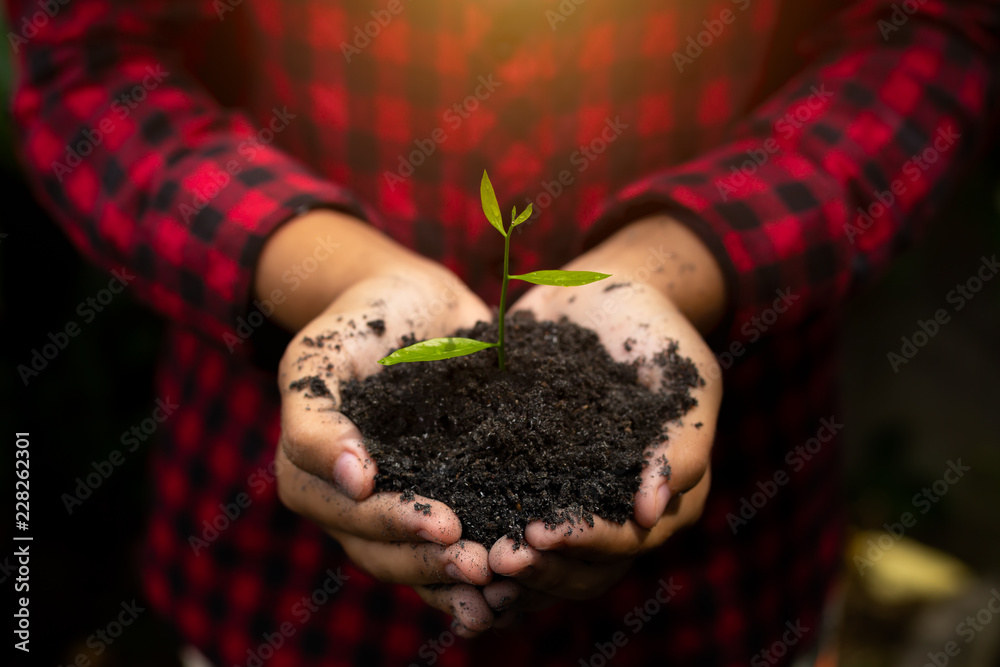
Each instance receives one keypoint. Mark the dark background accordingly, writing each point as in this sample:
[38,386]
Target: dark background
[901,429]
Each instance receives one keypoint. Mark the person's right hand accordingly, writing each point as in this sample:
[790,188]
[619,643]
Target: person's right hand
[323,470]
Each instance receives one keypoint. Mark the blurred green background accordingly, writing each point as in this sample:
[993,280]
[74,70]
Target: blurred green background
[902,429]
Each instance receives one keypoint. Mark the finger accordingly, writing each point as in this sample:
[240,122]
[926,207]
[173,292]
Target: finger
[383,517]
[553,573]
[469,562]
[327,445]
[465,603]
[508,598]
[510,559]
[502,593]
[607,541]
[418,563]
[676,465]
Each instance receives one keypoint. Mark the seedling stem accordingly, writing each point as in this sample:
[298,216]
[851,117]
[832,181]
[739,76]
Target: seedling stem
[446,348]
[503,296]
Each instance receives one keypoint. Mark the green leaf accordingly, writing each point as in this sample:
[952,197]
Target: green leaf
[435,349]
[490,206]
[525,214]
[562,278]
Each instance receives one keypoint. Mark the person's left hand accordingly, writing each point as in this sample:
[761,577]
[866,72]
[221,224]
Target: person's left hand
[589,560]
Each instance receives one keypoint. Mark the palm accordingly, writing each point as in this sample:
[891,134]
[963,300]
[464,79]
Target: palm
[634,322]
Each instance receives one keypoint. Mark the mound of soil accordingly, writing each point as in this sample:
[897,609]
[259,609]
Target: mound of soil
[559,437]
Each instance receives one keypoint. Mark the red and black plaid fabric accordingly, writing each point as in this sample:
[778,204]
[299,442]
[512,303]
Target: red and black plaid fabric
[171,136]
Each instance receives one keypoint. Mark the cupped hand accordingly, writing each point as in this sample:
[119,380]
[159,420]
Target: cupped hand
[634,321]
[324,472]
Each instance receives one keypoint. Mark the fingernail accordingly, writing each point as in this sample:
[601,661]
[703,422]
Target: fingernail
[662,498]
[457,627]
[452,571]
[424,535]
[546,543]
[541,538]
[349,475]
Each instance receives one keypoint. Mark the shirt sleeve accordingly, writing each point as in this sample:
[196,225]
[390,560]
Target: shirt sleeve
[831,176]
[147,173]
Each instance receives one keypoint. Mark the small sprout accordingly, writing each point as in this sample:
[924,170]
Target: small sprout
[446,348]
[562,278]
[490,206]
[436,349]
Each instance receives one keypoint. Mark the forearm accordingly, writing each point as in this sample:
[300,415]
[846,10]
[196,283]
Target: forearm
[666,255]
[161,188]
[827,180]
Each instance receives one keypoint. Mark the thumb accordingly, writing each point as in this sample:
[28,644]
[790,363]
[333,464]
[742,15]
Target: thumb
[675,466]
[326,444]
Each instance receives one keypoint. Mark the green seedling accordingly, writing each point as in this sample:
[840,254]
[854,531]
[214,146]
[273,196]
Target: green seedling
[446,348]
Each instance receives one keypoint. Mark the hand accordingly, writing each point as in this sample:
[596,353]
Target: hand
[324,472]
[589,560]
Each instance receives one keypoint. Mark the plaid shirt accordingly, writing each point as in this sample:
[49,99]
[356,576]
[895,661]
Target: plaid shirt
[805,142]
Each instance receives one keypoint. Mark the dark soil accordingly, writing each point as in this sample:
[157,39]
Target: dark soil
[561,436]
[314,383]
